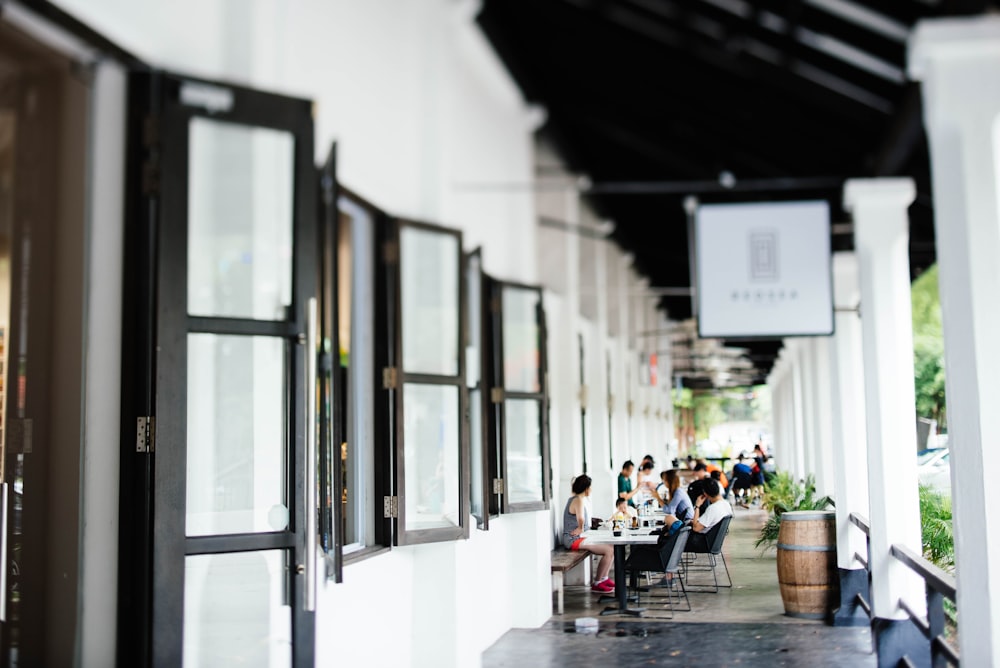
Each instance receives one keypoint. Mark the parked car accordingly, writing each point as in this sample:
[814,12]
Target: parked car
[934,469]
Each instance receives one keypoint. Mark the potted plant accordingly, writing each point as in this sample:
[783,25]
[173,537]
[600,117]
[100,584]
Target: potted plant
[782,494]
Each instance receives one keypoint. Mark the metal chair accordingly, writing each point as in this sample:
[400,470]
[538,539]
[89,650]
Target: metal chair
[664,558]
[709,544]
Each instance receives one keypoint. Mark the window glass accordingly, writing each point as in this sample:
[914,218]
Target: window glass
[236,611]
[473,376]
[524,450]
[356,322]
[233,267]
[431,451]
[429,283]
[520,339]
[236,461]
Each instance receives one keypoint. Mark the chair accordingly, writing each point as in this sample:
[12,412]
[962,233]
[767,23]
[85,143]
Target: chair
[710,544]
[664,558]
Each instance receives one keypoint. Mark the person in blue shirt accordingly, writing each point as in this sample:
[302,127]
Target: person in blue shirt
[674,500]
[742,479]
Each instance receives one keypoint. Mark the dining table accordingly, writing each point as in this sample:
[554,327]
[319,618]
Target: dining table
[640,536]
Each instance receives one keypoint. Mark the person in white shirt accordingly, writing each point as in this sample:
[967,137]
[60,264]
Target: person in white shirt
[718,508]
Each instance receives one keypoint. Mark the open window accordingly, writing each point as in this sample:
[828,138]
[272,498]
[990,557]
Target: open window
[484,464]
[519,419]
[425,383]
[354,466]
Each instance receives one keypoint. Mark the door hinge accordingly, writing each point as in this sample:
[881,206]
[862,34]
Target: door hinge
[390,252]
[390,507]
[496,395]
[498,485]
[390,378]
[583,395]
[495,305]
[145,434]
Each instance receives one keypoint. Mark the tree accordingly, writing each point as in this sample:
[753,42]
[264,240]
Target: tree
[928,348]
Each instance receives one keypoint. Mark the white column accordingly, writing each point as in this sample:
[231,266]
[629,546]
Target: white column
[881,236]
[571,453]
[798,405]
[823,416]
[957,62]
[777,409]
[809,422]
[847,408]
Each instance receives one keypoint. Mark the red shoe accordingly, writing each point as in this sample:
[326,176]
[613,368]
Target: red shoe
[603,587]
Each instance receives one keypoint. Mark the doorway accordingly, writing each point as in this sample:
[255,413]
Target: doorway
[43,143]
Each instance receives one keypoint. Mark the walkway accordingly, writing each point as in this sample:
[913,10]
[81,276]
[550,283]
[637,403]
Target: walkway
[741,626]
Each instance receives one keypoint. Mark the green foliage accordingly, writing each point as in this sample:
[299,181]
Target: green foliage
[936,533]
[928,347]
[783,494]
[714,408]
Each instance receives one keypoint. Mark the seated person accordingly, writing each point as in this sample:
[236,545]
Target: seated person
[702,523]
[621,506]
[742,478]
[712,468]
[695,488]
[675,501]
[576,520]
[625,490]
[646,485]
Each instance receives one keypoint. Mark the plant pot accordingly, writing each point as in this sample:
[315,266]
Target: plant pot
[807,563]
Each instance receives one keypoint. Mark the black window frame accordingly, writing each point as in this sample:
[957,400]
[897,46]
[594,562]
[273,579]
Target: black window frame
[500,395]
[394,379]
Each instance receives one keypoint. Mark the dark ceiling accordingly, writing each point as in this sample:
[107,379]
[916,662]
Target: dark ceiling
[653,100]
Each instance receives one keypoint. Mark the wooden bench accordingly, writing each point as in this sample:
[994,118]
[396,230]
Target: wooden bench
[562,561]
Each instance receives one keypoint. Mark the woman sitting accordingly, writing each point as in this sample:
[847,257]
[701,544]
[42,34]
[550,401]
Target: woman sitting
[576,520]
[675,502]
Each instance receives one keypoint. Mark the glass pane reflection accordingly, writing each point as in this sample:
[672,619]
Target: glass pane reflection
[235,435]
[520,339]
[431,445]
[524,450]
[429,276]
[236,611]
[240,212]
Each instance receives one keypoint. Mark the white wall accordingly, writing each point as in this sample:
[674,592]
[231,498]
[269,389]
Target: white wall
[424,114]
[421,108]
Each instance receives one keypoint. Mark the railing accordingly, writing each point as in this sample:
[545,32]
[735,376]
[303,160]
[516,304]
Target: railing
[939,586]
[862,523]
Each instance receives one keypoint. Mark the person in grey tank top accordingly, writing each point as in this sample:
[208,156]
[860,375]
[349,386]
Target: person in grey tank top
[576,520]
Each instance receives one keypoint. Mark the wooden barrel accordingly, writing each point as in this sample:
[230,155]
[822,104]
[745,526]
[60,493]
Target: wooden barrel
[807,563]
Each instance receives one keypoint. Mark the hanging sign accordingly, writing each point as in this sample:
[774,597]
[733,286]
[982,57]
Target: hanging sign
[764,270]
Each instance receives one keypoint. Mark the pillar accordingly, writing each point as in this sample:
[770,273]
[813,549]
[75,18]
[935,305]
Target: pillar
[810,435]
[850,452]
[797,401]
[823,417]
[957,62]
[881,237]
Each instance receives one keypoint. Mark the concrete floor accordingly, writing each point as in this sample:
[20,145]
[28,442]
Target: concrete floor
[744,625]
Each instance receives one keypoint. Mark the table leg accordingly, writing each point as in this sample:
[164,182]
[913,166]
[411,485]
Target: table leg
[621,588]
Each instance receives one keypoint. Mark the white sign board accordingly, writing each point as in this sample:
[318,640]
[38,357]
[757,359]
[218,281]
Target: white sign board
[763,270]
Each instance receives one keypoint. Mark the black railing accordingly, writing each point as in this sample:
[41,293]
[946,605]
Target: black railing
[862,523]
[939,586]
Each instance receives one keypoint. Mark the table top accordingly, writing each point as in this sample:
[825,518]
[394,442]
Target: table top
[639,536]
